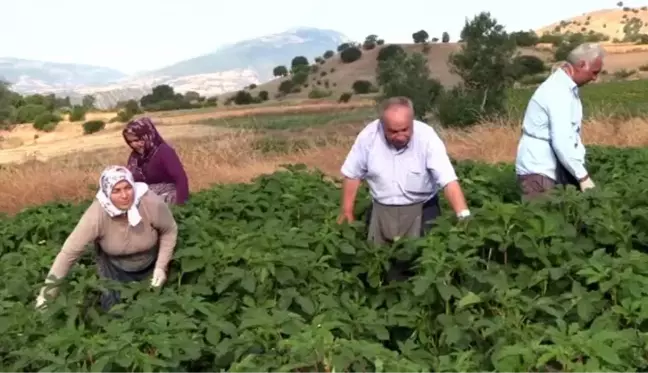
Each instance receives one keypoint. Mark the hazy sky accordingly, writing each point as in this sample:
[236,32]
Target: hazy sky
[137,35]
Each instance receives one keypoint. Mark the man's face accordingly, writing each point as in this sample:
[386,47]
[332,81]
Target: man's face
[398,124]
[585,73]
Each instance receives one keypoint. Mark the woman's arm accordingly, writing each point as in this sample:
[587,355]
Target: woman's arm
[174,168]
[86,231]
[162,220]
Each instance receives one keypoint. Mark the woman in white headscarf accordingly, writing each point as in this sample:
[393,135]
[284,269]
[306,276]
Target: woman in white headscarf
[133,231]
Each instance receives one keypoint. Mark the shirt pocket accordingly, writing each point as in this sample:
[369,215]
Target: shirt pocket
[417,182]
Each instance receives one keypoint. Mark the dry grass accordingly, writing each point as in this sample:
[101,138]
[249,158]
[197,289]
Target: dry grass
[238,156]
[606,21]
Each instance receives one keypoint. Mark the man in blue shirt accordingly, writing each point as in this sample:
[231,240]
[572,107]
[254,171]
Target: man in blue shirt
[550,151]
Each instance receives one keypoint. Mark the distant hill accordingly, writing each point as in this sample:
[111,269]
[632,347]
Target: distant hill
[610,22]
[260,55]
[228,68]
[33,76]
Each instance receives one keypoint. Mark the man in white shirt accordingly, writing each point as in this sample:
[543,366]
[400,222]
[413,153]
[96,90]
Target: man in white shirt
[405,164]
[550,151]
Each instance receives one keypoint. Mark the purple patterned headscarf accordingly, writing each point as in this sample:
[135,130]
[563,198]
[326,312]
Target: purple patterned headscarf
[143,129]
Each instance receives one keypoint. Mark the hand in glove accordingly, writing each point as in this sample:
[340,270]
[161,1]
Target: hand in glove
[586,184]
[41,300]
[159,277]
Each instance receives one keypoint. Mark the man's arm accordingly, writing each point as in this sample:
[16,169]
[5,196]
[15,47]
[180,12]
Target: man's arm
[354,170]
[438,162]
[563,137]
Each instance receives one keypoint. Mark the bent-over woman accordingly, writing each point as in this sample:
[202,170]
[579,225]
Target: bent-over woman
[133,231]
[155,162]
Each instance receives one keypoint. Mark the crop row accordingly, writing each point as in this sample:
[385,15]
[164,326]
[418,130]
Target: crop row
[264,280]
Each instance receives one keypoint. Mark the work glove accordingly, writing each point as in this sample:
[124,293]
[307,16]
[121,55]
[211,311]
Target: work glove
[586,184]
[40,299]
[159,277]
[463,215]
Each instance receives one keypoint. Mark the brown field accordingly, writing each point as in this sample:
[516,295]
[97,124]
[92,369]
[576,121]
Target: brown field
[215,154]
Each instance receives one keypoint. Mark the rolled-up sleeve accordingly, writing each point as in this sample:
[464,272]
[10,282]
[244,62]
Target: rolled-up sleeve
[355,164]
[438,162]
[563,136]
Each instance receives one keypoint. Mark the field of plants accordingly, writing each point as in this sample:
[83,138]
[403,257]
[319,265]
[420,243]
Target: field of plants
[616,98]
[264,280]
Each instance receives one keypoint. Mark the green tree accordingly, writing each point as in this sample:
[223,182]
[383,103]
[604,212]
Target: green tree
[328,54]
[299,61]
[88,102]
[350,55]
[525,38]
[445,37]
[409,76]
[370,42]
[280,71]
[420,37]
[484,62]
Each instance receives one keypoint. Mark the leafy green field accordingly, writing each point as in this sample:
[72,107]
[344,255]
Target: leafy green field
[620,98]
[264,280]
[283,121]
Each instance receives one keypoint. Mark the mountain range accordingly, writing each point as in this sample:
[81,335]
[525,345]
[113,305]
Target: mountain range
[227,69]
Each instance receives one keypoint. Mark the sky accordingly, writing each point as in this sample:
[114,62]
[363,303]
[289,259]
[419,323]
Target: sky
[139,35]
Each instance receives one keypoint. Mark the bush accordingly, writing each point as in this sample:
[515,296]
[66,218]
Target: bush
[299,61]
[46,122]
[280,71]
[93,126]
[286,87]
[300,77]
[319,93]
[328,54]
[350,55]
[29,112]
[243,98]
[77,114]
[345,97]
[459,107]
[361,87]
[125,116]
[263,95]
[527,65]
[390,51]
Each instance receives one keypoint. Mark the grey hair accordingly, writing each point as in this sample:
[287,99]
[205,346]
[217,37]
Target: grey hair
[588,52]
[401,101]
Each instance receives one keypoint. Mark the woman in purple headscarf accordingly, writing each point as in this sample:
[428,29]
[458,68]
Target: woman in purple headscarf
[154,162]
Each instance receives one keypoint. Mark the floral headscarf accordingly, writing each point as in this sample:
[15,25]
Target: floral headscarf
[112,175]
[143,129]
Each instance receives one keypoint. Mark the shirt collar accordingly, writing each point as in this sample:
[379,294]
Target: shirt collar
[564,77]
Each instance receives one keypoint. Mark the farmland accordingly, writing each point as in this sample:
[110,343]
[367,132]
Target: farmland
[264,280]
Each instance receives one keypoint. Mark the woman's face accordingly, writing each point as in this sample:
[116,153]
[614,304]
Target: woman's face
[134,142]
[122,195]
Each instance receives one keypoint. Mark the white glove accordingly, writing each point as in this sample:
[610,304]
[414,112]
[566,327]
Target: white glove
[159,277]
[586,184]
[463,214]
[40,300]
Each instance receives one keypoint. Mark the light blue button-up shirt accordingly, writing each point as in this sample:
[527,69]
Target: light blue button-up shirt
[400,177]
[553,117]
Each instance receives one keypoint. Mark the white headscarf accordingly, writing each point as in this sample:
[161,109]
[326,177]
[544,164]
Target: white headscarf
[112,175]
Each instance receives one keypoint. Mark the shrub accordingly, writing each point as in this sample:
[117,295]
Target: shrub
[299,61]
[319,93]
[243,98]
[350,55]
[390,51]
[345,97]
[300,77]
[459,107]
[77,114]
[280,71]
[46,122]
[263,95]
[445,37]
[29,112]
[286,86]
[93,126]
[328,54]
[125,116]
[527,65]
[361,87]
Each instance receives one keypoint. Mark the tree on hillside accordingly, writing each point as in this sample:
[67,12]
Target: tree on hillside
[525,38]
[370,42]
[299,61]
[328,54]
[344,46]
[88,102]
[420,36]
[445,37]
[280,71]
[409,76]
[484,62]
